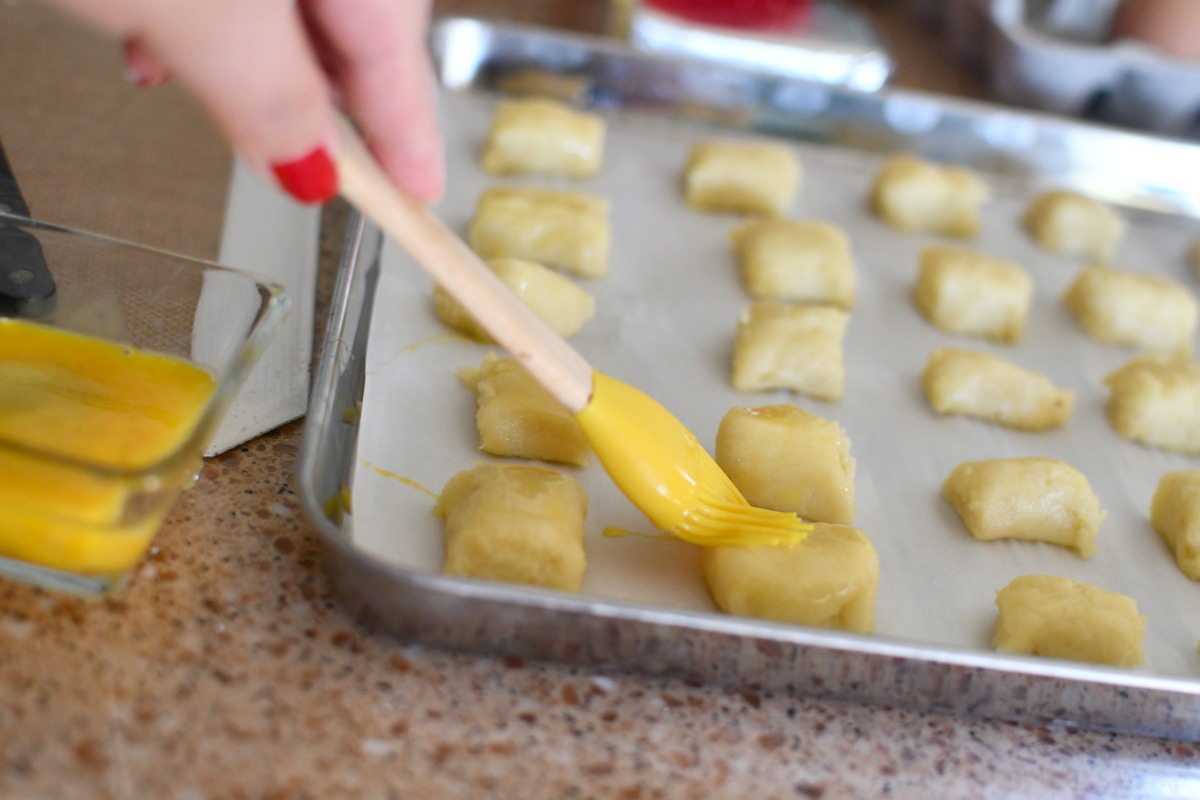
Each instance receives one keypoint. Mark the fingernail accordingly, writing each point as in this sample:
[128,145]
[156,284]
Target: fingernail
[312,178]
[141,68]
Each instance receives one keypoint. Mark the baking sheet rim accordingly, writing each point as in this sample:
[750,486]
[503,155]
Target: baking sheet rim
[877,646]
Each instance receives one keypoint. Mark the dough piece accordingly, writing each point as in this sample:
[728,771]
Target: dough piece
[784,458]
[1072,225]
[564,230]
[534,82]
[1148,312]
[742,177]
[516,523]
[1175,514]
[1156,401]
[980,385]
[964,292]
[536,136]
[828,580]
[1045,615]
[1034,499]
[791,347]
[516,417]
[918,196]
[802,261]
[564,306]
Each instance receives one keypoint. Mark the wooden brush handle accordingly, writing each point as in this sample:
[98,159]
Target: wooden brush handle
[455,267]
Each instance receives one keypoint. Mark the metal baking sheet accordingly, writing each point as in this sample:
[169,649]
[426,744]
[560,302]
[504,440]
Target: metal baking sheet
[830,43]
[388,415]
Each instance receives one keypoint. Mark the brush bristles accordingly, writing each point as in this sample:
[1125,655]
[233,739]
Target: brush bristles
[716,487]
[720,523]
[723,518]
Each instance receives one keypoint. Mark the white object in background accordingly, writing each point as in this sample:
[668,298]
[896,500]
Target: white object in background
[268,233]
[1059,55]
[1084,20]
[1037,69]
[1157,93]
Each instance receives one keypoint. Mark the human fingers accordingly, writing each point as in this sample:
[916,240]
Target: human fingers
[250,64]
[143,68]
[375,54]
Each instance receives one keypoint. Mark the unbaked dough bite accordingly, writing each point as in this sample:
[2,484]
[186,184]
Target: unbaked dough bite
[781,346]
[564,230]
[516,523]
[561,304]
[534,82]
[518,418]
[1156,401]
[536,136]
[828,580]
[742,177]
[1070,224]
[1149,312]
[918,196]
[798,260]
[1033,499]
[964,292]
[784,458]
[980,385]
[1045,615]
[1175,514]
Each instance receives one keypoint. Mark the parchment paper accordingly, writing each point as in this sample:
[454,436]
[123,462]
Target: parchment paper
[665,322]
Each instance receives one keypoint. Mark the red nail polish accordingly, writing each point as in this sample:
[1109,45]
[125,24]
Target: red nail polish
[143,69]
[311,178]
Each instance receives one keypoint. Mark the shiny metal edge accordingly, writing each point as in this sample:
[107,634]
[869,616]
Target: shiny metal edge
[487,618]
[839,47]
[1014,146]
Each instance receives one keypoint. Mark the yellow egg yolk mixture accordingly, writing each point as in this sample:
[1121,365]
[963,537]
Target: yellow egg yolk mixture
[82,421]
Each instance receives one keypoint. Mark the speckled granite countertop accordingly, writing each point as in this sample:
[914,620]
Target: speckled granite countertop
[227,669]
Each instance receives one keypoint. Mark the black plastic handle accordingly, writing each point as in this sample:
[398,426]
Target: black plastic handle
[26,286]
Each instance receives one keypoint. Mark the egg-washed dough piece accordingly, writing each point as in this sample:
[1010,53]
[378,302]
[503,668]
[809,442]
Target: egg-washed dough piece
[534,82]
[516,523]
[561,304]
[827,580]
[918,196]
[965,292]
[742,177]
[518,418]
[780,346]
[1175,515]
[560,229]
[784,458]
[1045,615]
[536,136]
[1156,401]
[1033,499]
[980,385]
[1073,225]
[796,260]
[1149,312]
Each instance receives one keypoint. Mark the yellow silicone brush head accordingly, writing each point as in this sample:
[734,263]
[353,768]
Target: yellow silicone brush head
[657,462]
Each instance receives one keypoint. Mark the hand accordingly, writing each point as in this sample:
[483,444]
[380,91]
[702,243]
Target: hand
[270,72]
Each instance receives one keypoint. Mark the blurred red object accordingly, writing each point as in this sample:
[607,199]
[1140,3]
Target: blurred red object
[784,16]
